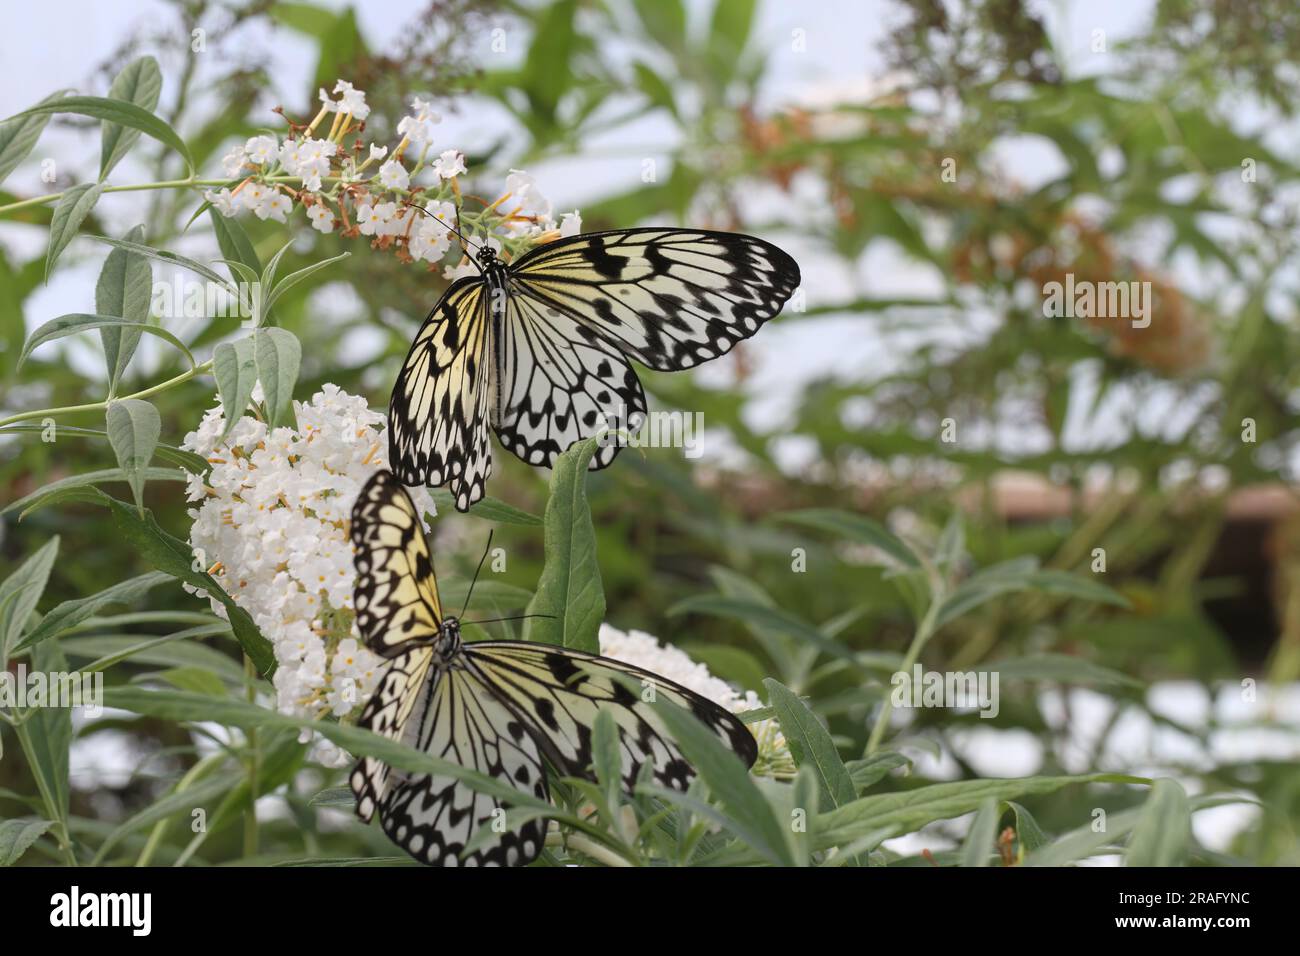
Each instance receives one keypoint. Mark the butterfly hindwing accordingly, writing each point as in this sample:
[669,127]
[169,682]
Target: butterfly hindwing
[433,817]
[560,385]
[387,714]
[441,405]
[560,690]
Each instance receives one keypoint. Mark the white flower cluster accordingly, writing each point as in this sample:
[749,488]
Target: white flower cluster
[340,189]
[645,651]
[272,526]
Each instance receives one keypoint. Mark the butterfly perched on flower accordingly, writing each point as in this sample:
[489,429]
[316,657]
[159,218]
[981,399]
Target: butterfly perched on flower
[504,708]
[537,350]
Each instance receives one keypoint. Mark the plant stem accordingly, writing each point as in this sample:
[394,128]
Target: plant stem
[250,815]
[924,631]
[100,406]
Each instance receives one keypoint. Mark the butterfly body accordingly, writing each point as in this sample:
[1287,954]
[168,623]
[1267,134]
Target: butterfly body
[507,709]
[538,350]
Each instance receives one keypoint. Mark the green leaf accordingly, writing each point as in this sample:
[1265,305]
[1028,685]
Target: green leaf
[140,82]
[18,136]
[1029,833]
[569,588]
[729,34]
[17,835]
[171,258]
[81,488]
[232,712]
[487,508]
[1076,585]
[277,356]
[197,680]
[811,745]
[20,593]
[75,322]
[763,615]
[869,771]
[46,738]
[978,846]
[665,21]
[119,112]
[234,365]
[606,758]
[1163,834]
[198,794]
[1084,842]
[728,780]
[124,289]
[1064,668]
[857,528]
[69,614]
[141,534]
[293,278]
[234,242]
[69,213]
[546,74]
[133,429]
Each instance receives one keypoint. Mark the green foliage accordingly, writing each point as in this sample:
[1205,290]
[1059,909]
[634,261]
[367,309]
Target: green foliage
[912,566]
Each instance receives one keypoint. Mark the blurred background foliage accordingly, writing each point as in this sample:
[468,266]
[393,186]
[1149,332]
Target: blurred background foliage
[1072,435]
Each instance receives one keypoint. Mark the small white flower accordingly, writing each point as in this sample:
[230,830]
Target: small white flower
[449,164]
[234,161]
[570,224]
[394,176]
[418,126]
[221,200]
[460,270]
[262,149]
[431,241]
[322,220]
[252,195]
[377,152]
[275,206]
[352,100]
[369,219]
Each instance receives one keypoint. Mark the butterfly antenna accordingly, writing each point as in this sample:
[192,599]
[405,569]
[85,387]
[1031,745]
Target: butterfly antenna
[517,617]
[476,573]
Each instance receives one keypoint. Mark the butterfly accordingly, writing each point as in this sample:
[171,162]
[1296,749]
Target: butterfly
[537,350]
[504,708]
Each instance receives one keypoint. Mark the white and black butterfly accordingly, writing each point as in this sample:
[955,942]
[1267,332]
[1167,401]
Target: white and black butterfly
[505,708]
[538,350]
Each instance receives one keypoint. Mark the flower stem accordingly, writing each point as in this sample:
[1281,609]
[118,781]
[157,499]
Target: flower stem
[924,631]
[100,406]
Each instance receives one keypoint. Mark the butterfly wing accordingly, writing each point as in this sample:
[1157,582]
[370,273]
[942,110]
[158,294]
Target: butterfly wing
[579,307]
[454,717]
[396,593]
[441,404]
[388,713]
[558,692]
[668,298]
[561,384]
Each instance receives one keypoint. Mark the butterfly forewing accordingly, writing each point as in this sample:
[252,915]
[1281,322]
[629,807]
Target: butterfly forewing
[576,310]
[396,595]
[441,405]
[668,298]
